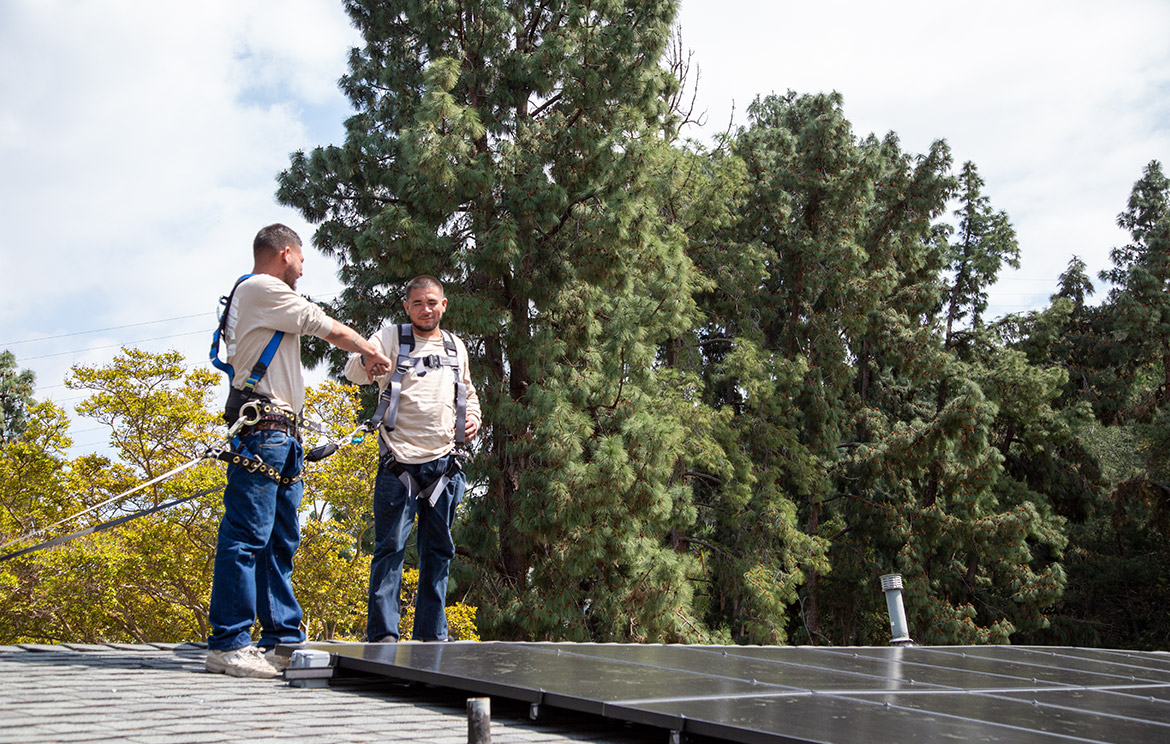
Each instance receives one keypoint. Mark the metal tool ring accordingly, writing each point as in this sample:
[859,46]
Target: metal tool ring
[255,416]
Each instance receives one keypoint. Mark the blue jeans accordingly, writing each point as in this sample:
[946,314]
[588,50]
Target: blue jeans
[394,515]
[258,535]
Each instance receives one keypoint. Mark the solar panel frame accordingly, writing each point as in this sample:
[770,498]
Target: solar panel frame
[828,695]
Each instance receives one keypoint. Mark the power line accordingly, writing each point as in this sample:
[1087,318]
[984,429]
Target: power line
[114,346]
[6,344]
[100,330]
[88,444]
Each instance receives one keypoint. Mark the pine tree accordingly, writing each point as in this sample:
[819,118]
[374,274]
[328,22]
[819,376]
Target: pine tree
[1077,337]
[15,397]
[1118,594]
[871,444]
[1149,201]
[1140,298]
[985,242]
[505,147]
[788,367]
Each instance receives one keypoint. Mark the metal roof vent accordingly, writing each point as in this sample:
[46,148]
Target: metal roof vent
[899,629]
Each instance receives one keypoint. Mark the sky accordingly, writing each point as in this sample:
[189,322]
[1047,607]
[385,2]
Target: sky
[140,142]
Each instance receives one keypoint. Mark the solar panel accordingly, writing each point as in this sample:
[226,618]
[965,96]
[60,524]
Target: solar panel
[827,695]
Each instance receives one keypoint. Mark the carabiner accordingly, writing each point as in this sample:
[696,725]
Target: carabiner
[255,406]
[244,419]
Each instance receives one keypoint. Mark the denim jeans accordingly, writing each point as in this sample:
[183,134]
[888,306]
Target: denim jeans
[258,535]
[394,515]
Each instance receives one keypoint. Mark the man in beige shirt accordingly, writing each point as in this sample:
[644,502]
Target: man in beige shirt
[260,529]
[428,407]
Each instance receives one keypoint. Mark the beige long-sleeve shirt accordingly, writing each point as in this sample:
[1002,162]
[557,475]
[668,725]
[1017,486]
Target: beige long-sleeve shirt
[425,427]
[262,305]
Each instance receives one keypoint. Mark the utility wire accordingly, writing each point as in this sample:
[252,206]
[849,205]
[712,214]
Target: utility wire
[114,346]
[106,525]
[5,344]
[100,330]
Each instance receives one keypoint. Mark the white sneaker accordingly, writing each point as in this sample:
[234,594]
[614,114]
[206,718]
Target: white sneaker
[247,661]
[278,662]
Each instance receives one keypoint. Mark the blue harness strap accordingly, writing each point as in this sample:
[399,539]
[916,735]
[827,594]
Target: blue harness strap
[266,356]
[261,366]
[225,304]
[237,397]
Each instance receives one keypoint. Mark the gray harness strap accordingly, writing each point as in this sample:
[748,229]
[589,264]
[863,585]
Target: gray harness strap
[386,413]
[432,491]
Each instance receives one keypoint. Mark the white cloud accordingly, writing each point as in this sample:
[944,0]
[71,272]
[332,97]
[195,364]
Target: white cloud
[1059,104]
[139,146]
[139,142]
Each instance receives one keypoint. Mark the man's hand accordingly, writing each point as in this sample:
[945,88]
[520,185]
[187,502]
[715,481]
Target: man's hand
[376,364]
[471,429]
[347,339]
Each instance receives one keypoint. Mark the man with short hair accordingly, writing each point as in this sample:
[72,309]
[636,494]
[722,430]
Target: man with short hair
[260,528]
[430,406]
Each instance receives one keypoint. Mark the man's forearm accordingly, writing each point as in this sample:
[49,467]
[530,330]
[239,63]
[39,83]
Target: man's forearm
[347,339]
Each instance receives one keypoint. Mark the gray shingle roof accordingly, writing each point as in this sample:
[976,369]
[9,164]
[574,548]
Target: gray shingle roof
[159,694]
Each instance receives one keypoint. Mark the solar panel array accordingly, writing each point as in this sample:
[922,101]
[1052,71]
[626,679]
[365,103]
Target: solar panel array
[811,694]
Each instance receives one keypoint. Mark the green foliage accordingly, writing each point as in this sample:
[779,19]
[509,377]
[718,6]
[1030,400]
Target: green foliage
[510,150]
[15,397]
[869,441]
[150,579]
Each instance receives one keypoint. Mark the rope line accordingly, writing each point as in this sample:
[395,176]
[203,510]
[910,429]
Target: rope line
[112,499]
[105,525]
[250,414]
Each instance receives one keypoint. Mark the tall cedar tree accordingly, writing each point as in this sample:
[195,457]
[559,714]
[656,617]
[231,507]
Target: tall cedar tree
[839,374]
[1118,586]
[504,146]
[985,541]
[1140,300]
[986,241]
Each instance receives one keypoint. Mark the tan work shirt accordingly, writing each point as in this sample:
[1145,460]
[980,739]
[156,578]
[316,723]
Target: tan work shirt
[425,427]
[262,305]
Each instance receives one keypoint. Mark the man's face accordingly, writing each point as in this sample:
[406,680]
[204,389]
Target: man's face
[294,265]
[425,307]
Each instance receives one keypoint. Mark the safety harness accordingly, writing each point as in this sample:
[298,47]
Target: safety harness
[265,411]
[386,414]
